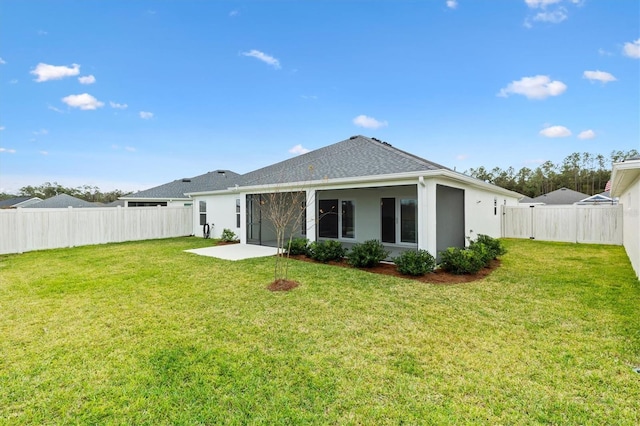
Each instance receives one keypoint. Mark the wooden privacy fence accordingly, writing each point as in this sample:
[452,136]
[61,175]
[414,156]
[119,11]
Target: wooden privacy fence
[26,229]
[599,224]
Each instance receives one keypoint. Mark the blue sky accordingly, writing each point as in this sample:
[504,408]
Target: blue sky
[130,95]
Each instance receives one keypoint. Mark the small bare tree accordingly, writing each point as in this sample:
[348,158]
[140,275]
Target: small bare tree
[286,211]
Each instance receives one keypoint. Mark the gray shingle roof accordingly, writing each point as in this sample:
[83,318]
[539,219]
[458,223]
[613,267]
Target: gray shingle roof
[62,201]
[211,181]
[355,157]
[14,201]
[561,196]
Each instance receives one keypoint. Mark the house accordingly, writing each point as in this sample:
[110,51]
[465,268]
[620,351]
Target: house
[598,199]
[356,190]
[625,185]
[14,203]
[61,201]
[174,193]
[560,197]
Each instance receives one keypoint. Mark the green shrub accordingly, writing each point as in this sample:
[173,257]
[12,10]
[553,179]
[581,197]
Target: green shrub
[415,263]
[298,246]
[324,251]
[461,261]
[493,245]
[367,254]
[483,252]
[228,235]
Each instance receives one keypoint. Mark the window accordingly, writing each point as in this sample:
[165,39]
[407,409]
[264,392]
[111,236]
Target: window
[203,212]
[328,218]
[237,212]
[348,219]
[147,203]
[408,222]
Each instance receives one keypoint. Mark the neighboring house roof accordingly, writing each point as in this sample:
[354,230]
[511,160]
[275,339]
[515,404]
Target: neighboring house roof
[624,174]
[115,203]
[62,201]
[355,157]
[597,199]
[211,181]
[561,196]
[16,202]
[527,200]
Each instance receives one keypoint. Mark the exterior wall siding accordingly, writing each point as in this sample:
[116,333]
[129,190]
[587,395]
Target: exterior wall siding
[221,212]
[630,202]
[25,229]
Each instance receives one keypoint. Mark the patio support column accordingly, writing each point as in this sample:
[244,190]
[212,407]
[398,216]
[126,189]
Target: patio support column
[243,218]
[311,214]
[427,216]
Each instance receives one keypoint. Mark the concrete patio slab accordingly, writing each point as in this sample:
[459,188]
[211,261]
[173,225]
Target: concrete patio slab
[235,251]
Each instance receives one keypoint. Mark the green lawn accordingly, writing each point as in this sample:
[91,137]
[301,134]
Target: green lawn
[144,333]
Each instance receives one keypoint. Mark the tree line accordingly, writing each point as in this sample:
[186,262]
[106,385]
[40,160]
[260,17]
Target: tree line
[84,192]
[582,172]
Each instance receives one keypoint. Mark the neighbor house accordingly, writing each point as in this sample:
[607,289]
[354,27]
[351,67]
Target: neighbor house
[14,203]
[61,201]
[562,196]
[174,193]
[356,190]
[625,185]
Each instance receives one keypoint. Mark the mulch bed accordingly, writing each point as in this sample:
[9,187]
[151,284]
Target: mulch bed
[436,277]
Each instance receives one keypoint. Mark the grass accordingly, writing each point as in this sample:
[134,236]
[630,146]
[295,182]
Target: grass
[144,333]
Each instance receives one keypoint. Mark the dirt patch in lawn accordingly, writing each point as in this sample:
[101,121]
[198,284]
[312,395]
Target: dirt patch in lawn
[437,277]
[283,285]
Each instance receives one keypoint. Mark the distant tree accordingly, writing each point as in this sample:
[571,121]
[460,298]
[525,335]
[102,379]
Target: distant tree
[84,192]
[582,172]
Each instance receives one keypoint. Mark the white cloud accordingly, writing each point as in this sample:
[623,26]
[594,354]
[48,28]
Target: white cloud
[84,101]
[7,150]
[369,122]
[554,17]
[603,52]
[13,81]
[2,128]
[537,87]
[2,61]
[298,149]
[129,148]
[41,132]
[461,157]
[601,76]
[267,59]
[117,105]
[44,152]
[587,134]
[46,72]
[42,33]
[555,132]
[234,13]
[452,4]
[632,49]
[314,97]
[540,3]
[88,79]
[52,108]
[145,115]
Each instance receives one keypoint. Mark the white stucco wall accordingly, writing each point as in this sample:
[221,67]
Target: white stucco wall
[630,201]
[221,211]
